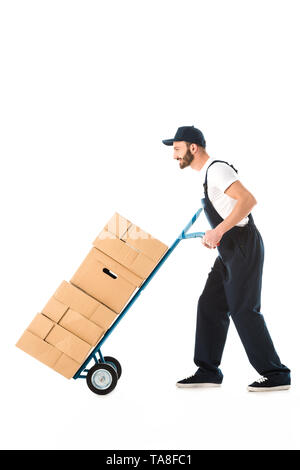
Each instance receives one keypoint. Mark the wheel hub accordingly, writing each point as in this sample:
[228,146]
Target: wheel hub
[101,379]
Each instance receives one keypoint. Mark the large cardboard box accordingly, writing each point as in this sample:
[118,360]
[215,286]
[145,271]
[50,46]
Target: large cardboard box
[106,280]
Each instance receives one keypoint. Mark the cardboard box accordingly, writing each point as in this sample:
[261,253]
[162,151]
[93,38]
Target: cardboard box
[81,327]
[106,280]
[48,354]
[66,366]
[131,246]
[38,348]
[75,299]
[40,326]
[54,309]
[68,343]
[129,257]
[145,243]
[104,316]
[68,297]
[117,225]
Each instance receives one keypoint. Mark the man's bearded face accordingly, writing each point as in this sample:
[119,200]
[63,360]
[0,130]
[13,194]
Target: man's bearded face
[186,159]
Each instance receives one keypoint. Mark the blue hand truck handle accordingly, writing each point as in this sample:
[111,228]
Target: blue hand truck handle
[183,234]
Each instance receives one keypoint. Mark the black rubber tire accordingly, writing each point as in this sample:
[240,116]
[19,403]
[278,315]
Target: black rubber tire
[112,372]
[116,364]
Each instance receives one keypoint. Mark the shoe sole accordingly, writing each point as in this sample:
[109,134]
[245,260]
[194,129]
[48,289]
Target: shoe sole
[268,389]
[208,385]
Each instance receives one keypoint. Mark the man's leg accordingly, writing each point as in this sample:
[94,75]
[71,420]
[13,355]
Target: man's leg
[212,321]
[243,293]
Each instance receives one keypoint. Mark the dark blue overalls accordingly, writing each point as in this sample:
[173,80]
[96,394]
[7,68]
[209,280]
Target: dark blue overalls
[233,288]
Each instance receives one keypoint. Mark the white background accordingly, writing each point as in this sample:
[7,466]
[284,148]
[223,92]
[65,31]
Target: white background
[88,91]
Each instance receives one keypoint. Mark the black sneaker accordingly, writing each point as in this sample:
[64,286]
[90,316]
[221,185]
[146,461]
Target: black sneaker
[271,383]
[200,380]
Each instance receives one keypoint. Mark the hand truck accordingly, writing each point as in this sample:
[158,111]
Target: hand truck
[103,376]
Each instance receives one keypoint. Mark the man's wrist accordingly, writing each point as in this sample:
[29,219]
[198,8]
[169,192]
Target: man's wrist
[220,229]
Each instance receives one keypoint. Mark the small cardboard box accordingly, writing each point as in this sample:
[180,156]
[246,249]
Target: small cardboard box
[117,225]
[54,309]
[81,327]
[129,257]
[40,326]
[145,243]
[68,297]
[106,280]
[103,316]
[68,343]
[76,299]
[48,354]
[131,246]
[38,348]
[66,366]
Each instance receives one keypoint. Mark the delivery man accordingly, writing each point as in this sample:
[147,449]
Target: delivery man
[233,287]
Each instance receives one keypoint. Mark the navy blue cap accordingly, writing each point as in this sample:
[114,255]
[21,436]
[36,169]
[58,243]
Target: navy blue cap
[188,134]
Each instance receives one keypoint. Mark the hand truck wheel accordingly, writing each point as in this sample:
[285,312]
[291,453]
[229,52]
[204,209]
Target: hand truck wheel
[115,363]
[102,378]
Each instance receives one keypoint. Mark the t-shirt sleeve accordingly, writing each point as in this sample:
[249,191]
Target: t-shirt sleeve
[221,176]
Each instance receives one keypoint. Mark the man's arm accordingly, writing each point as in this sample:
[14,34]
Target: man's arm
[245,202]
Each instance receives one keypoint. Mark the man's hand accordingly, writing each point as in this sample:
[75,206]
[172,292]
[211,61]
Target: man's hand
[212,238]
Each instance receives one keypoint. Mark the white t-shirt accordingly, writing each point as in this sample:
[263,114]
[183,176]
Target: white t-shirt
[219,177]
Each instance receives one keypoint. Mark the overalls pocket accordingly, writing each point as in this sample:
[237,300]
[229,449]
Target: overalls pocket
[241,242]
[226,249]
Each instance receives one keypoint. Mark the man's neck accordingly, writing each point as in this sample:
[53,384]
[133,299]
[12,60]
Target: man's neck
[199,162]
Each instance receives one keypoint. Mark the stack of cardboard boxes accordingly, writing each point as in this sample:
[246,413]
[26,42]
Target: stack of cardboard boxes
[79,313]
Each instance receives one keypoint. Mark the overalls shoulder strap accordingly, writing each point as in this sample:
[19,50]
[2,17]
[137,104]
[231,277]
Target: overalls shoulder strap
[215,161]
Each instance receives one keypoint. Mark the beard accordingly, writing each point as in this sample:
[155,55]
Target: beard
[186,159]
